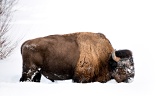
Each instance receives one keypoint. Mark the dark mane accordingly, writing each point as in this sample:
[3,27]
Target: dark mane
[124,53]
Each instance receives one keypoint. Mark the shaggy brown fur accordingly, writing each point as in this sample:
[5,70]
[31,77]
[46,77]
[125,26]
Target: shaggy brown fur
[95,50]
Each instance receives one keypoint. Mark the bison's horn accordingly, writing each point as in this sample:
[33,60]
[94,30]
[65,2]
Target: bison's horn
[114,57]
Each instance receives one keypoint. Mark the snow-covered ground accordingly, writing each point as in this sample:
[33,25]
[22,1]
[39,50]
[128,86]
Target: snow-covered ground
[127,24]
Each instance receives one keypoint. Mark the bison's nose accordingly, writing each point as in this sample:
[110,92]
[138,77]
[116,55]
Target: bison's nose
[129,80]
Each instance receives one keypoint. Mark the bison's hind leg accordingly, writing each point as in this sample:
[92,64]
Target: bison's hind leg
[37,77]
[34,76]
[23,78]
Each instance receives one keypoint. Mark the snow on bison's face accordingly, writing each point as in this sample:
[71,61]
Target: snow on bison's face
[122,66]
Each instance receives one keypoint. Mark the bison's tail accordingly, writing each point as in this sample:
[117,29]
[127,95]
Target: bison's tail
[22,46]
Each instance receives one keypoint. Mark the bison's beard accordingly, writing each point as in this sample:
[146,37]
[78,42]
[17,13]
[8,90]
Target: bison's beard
[121,75]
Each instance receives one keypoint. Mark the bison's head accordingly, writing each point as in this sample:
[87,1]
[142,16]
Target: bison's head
[122,66]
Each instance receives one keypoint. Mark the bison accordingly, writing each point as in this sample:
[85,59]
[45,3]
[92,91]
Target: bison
[82,56]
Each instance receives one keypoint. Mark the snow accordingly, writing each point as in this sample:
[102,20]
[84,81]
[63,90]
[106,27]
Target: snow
[127,24]
[31,47]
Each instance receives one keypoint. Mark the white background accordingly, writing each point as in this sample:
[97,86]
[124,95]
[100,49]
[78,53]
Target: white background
[128,24]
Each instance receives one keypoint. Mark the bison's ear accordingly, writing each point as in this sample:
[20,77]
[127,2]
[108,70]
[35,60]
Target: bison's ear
[114,57]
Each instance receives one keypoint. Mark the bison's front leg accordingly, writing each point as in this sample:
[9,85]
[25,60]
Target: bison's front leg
[83,75]
[81,79]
